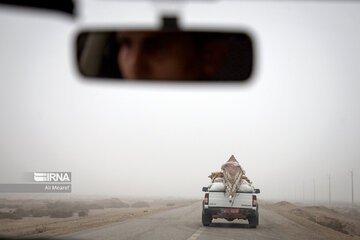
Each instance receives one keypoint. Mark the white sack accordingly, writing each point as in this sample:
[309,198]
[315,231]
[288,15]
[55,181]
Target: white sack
[246,187]
[217,186]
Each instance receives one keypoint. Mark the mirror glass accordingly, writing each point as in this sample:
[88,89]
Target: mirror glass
[165,55]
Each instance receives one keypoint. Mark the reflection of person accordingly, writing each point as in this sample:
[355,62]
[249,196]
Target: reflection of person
[169,55]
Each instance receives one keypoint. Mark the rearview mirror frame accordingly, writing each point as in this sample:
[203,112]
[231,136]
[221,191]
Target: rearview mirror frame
[97,55]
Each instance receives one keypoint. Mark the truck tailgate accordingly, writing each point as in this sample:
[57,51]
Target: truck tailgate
[219,199]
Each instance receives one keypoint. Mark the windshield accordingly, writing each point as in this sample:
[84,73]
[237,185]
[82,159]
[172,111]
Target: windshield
[128,159]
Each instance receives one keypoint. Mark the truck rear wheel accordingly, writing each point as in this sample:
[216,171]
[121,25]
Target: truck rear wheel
[206,219]
[254,221]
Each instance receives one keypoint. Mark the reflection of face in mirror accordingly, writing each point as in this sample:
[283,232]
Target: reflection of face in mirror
[169,55]
[165,55]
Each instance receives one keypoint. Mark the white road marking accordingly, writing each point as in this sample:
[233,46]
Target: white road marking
[196,234]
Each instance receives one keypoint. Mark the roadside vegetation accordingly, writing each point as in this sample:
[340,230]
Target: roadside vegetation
[345,220]
[62,209]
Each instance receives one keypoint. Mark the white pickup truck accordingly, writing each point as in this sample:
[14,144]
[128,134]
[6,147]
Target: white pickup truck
[242,206]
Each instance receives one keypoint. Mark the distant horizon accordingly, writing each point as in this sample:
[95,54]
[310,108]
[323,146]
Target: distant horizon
[19,196]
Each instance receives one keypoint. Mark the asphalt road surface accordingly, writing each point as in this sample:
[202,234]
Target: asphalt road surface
[185,223]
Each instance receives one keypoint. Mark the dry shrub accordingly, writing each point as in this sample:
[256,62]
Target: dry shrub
[5,205]
[39,212]
[9,215]
[140,204]
[40,228]
[332,223]
[22,212]
[300,212]
[114,203]
[83,213]
[61,213]
[59,204]
[94,206]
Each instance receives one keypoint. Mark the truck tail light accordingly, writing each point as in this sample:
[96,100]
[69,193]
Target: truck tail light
[206,200]
[254,201]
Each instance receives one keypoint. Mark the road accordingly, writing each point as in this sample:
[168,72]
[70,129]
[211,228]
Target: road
[185,223]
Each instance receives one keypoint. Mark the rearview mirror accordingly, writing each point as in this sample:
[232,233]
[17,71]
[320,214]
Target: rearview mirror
[165,55]
[257,190]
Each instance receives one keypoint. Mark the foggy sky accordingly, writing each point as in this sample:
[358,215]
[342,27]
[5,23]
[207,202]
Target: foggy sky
[296,123]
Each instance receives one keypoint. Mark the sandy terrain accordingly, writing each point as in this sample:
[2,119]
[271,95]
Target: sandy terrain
[332,222]
[46,226]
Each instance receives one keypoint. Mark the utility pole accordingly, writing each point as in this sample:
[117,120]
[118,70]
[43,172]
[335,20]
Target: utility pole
[289,194]
[314,189]
[303,191]
[352,186]
[329,189]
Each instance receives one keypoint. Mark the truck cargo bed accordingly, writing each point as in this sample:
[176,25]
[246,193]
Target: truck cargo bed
[240,200]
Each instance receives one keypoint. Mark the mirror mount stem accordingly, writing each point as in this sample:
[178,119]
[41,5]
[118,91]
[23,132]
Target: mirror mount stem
[170,23]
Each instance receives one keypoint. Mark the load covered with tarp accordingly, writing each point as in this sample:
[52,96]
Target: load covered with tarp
[231,179]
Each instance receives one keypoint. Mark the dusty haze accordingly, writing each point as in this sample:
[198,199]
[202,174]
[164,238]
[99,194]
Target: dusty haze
[296,124]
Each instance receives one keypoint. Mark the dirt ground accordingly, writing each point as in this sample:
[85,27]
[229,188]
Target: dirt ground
[47,226]
[337,221]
